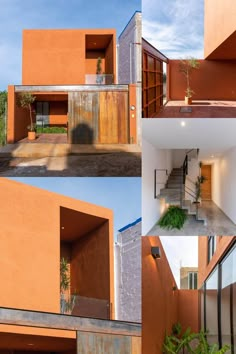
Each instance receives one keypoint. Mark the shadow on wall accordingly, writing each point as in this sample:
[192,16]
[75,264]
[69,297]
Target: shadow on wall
[82,134]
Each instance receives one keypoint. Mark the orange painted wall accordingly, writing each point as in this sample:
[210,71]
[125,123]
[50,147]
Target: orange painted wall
[214,80]
[110,65]
[91,61]
[159,301]
[30,246]
[205,268]
[188,314]
[133,114]
[58,56]
[90,264]
[219,24]
[161,305]
[58,112]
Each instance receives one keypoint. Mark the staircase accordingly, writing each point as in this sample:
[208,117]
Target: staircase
[175,192]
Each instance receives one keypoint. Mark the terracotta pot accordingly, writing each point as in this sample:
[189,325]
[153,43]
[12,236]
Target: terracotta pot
[188,100]
[31,135]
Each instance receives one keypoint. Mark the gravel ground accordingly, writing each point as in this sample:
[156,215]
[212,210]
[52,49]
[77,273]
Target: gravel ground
[113,164]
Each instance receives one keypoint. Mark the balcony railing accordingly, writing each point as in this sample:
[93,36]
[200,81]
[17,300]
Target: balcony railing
[77,305]
[103,79]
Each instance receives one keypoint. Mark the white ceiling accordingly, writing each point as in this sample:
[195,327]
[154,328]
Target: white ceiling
[212,136]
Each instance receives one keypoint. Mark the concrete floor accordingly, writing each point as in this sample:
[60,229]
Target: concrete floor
[117,164]
[217,224]
[200,109]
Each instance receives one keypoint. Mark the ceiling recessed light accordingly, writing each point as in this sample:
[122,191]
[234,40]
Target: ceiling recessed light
[212,156]
[182,123]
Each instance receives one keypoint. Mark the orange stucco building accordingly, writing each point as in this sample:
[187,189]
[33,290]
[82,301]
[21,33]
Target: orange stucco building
[38,229]
[59,68]
[163,304]
[216,76]
[210,308]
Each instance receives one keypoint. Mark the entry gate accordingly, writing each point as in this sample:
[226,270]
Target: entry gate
[99,117]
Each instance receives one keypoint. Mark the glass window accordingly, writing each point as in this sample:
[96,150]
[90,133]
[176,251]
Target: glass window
[226,299]
[211,247]
[211,307]
[192,280]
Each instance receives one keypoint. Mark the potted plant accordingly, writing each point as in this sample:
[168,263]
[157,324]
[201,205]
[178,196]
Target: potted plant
[99,74]
[25,100]
[198,183]
[186,67]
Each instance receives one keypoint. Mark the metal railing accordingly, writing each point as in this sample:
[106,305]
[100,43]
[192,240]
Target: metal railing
[155,179]
[183,188]
[77,305]
[99,79]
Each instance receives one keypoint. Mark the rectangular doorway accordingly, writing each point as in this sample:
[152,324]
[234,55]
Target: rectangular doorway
[206,185]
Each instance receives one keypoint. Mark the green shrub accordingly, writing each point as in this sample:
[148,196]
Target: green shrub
[2,131]
[174,218]
[51,130]
[189,342]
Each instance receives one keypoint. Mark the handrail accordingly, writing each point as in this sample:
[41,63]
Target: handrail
[185,173]
[155,180]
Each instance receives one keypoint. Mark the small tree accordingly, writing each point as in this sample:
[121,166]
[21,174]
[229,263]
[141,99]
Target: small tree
[25,100]
[99,78]
[186,66]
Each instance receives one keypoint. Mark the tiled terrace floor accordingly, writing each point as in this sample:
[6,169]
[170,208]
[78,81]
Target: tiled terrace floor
[200,109]
[217,224]
[47,138]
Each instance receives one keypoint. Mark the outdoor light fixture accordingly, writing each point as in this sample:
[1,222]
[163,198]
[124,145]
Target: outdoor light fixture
[182,123]
[156,252]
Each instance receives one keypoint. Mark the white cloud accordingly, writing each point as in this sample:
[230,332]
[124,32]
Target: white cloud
[180,251]
[175,27]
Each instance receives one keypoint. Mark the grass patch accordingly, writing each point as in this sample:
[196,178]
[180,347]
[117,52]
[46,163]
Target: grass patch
[51,130]
[2,132]
[174,218]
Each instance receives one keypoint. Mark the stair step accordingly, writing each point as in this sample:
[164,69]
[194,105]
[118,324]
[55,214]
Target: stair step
[173,185]
[202,216]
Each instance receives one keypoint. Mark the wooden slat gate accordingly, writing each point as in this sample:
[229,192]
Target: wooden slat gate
[98,117]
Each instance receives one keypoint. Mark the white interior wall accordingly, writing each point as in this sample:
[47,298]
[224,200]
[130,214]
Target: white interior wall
[223,183]
[178,156]
[152,159]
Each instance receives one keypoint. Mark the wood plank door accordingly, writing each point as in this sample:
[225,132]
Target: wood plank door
[83,111]
[113,117]
[206,185]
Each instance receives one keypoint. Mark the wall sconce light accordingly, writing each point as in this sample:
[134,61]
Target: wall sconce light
[156,252]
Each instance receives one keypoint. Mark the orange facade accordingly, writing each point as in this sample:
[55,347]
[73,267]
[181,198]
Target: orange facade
[65,57]
[163,304]
[214,80]
[36,226]
[205,267]
[219,29]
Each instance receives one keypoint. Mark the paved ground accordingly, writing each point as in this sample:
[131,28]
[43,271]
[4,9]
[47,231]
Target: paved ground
[200,109]
[217,224]
[87,165]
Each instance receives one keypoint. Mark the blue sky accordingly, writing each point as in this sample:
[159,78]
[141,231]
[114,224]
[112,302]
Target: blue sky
[175,27]
[181,251]
[122,195]
[16,15]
